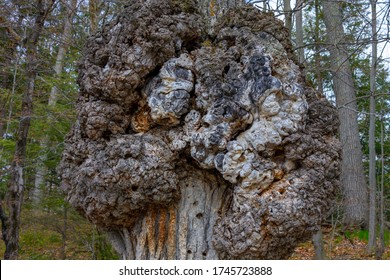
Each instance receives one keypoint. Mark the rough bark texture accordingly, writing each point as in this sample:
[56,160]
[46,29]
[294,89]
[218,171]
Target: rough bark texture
[199,146]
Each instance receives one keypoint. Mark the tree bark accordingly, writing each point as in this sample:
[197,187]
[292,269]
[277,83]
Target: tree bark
[352,172]
[371,138]
[183,231]
[16,182]
[207,147]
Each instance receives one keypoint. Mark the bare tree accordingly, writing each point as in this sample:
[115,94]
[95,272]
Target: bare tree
[352,173]
[372,153]
[16,182]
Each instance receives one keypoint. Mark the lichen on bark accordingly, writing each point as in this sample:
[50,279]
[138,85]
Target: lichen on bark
[191,145]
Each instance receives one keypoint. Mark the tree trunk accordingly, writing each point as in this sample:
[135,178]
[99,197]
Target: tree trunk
[183,231]
[299,31]
[381,243]
[317,54]
[11,40]
[64,234]
[352,173]
[64,44]
[41,169]
[207,147]
[371,138]
[16,182]
[287,15]
[93,15]
[318,243]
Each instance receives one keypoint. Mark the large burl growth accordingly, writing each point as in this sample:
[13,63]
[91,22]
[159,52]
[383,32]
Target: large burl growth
[191,145]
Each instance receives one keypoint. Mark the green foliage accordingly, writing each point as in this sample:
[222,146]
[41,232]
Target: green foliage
[362,235]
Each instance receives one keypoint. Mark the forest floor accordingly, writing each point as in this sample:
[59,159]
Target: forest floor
[342,245]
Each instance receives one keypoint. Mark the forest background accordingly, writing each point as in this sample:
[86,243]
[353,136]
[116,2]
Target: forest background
[40,44]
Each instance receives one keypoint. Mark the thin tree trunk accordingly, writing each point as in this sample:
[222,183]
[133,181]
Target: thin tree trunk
[317,54]
[299,30]
[352,173]
[318,243]
[93,15]
[372,155]
[3,114]
[41,169]
[381,243]
[16,182]
[65,40]
[64,233]
[11,101]
[10,50]
[287,15]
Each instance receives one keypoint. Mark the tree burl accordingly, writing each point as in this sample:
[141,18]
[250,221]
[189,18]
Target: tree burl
[199,143]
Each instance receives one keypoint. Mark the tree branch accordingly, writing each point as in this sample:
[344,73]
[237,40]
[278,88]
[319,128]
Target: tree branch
[15,36]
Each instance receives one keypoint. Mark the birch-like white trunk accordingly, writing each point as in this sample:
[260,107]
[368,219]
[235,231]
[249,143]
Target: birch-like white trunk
[41,169]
